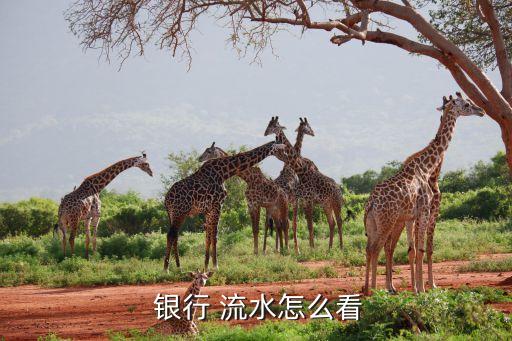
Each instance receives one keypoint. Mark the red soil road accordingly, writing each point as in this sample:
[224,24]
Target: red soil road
[89,313]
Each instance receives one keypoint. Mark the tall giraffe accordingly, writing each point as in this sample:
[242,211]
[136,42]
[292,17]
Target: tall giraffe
[183,325]
[83,203]
[314,187]
[261,192]
[411,198]
[204,192]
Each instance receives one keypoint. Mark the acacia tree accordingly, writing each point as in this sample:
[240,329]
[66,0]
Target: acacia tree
[468,37]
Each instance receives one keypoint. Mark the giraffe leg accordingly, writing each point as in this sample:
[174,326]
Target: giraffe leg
[411,250]
[371,228]
[420,249]
[95,223]
[172,242]
[294,226]
[308,211]
[389,248]
[434,213]
[87,236]
[330,221]
[286,228]
[265,236]
[339,222]
[63,229]
[254,212]
[72,239]
[280,231]
[211,224]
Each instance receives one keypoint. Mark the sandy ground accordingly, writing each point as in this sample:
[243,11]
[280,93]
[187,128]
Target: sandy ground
[89,313]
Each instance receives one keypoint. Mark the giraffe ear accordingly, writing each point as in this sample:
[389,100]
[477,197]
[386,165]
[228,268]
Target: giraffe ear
[144,154]
[209,274]
[301,120]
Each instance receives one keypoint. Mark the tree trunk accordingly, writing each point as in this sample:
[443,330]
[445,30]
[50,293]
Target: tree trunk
[506,135]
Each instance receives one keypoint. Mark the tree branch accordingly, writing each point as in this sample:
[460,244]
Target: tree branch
[488,14]
[410,15]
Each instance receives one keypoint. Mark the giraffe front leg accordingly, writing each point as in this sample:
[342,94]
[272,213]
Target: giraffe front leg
[87,236]
[254,212]
[294,226]
[211,223]
[308,212]
[63,229]
[434,213]
[95,223]
[389,248]
[330,221]
[420,250]
[411,252]
[72,239]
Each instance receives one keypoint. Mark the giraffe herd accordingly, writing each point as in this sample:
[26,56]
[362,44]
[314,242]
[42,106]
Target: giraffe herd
[409,199]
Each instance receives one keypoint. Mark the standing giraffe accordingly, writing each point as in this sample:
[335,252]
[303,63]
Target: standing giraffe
[411,198]
[313,188]
[261,192]
[83,203]
[183,325]
[204,192]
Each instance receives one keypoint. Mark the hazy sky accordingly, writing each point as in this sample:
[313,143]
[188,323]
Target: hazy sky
[64,114]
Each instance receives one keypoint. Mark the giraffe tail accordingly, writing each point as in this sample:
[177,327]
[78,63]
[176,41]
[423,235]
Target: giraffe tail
[55,229]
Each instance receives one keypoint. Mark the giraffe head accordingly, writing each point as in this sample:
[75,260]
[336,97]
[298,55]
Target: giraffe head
[274,127]
[143,164]
[199,278]
[212,152]
[460,106]
[305,127]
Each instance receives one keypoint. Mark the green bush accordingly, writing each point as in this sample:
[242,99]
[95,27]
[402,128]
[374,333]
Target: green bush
[33,217]
[487,203]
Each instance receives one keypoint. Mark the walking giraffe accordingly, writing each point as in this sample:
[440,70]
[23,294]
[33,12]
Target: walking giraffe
[204,192]
[261,192]
[314,187]
[185,324]
[411,198]
[83,203]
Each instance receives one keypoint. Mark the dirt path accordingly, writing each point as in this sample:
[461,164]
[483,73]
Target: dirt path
[88,313]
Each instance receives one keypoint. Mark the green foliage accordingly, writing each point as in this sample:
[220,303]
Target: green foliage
[364,183]
[483,204]
[500,265]
[34,217]
[438,314]
[460,22]
[482,174]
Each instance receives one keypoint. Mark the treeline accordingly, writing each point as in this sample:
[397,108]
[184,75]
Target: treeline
[482,192]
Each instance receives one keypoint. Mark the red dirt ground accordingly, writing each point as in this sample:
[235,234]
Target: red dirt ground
[88,313]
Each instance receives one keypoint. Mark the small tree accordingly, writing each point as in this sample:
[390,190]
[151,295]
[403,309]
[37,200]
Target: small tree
[468,37]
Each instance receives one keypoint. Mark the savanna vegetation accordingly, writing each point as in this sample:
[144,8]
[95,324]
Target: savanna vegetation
[474,219]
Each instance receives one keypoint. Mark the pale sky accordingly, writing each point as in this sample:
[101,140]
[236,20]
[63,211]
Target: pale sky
[64,114]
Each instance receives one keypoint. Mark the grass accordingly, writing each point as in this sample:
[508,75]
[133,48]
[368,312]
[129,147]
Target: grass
[499,265]
[137,259]
[435,315]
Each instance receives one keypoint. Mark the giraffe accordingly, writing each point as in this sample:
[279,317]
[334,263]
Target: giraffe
[411,199]
[261,192]
[83,203]
[314,187]
[183,325]
[204,192]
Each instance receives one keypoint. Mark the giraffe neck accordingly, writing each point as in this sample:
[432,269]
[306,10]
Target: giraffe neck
[251,174]
[298,141]
[234,165]
[93,184]
[193,289]
[432,156]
